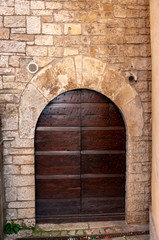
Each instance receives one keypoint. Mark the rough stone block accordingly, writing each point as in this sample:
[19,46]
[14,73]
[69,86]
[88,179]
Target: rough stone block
[22,75]
[22,7]
[115,35]
[37,5]
[11,214]
[53,5]
[4,33]
[22,204]
[26,193]
[22,37]
[26,213]
[27,169]
[12,46]
[11,169]
[33,25]
[8,79]
[51,28]
[18,30]
[31,101]
[22,180]
[6,10]
[70,51]
[10,122]
[43,40]
[36,51]
[22,159]
[55,52]
[120,11]
[14,21]
[14,61]
[3,61]
[94,29]
[85,17]
[11,194]
[64,16]
[72,28]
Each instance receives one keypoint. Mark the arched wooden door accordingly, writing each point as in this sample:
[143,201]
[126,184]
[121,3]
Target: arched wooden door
[80,159]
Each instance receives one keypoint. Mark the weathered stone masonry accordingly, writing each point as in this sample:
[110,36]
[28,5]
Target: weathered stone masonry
[94,44]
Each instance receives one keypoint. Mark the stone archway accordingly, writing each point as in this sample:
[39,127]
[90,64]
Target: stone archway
[84,72]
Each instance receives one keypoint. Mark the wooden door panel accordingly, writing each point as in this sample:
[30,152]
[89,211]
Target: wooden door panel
[49,120]
[64,188]
[101,139]
[102,205]
[102,163]
[102,186]
[58,139]
[92,97]
[58,164]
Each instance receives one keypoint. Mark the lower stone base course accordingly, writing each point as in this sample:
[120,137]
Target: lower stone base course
[77,230]
[153,234]
[138,235]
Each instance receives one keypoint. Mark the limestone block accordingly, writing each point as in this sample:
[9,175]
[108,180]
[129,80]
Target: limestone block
[10,122]
[8,78]
[33,25]
[36,51]
[11,194]
[51,28]
[10,169]
[112,81]
[70,51]
[27,169]
[72,28]
[74,5]
[4,33]
[64,16]
[1,83]
[18,30]
[65,72]
[22,7]
[29,159]
[22,75]
[120,11]
[46,82]
[22,143]
[124,95]
[11,214]
[94,29]
[26,213]
[43,40]
[47,19]
[22,180]
[3,61]
[32,103]
[23,204]
[14,61]
[78,61]
[14,21]
[26,193]
[7,71]
[133,114]
[55,52]
[18,151]
[6,10]
[7,159]
[53,5]
[22,37]
[12,46]
[42,12]
[43,61]
[37,5]
[115,35]
[86,17]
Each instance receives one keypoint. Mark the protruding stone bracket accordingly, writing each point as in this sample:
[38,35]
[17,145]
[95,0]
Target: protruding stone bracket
[73,73]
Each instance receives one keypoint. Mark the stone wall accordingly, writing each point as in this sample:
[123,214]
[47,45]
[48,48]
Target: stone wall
[73,37]
[1,189]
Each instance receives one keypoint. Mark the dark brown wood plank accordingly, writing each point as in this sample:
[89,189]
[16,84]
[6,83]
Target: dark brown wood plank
[48,120]
[94,109]
[58,140]
[55,207]
[103,163]
[68,97]
[116,118]
[58,164]
[103,187]
[62,109]
[57,188]
[103,139]
[103,205]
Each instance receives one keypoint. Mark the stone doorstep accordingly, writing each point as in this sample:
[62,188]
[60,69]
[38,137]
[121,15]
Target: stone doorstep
[98,230]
